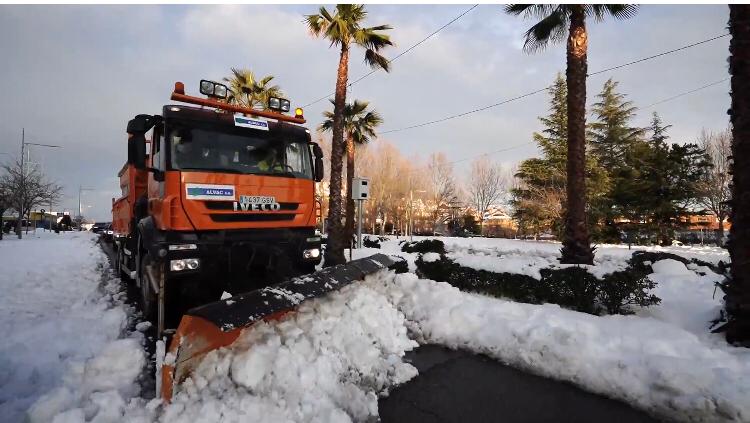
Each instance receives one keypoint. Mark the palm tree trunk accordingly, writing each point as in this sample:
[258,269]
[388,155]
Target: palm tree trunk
[336,237]
[738,289]
[576,247]
[349,177]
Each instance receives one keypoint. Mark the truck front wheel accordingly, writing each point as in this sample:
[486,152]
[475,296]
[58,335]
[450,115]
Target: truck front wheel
[148,296]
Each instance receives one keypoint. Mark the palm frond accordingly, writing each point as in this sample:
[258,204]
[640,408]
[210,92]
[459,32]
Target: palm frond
[539,11]
[358,106]
[369,39]
[552,28]
[380,28]
[375,60]
[315,23]
[618,11]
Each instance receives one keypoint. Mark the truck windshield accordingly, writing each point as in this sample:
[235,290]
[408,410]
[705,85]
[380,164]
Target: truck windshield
[238,150]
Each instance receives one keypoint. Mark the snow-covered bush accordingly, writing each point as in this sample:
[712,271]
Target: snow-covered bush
[620,290]
[424,246]
[369,242]
[516,286]
[641,261]
[571,287]
[400,264]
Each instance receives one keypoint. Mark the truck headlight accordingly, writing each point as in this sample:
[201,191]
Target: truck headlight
[179,265]
[192,263]
[311,253]
[176,265]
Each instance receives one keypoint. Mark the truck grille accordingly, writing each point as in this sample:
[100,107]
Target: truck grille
[227,205]
[247,217]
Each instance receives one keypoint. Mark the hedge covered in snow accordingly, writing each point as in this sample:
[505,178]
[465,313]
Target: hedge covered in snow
[571,287]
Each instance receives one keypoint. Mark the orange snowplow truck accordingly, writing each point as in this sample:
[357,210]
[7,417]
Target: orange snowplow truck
[215,198]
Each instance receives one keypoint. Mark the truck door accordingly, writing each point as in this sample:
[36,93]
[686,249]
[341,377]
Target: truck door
[158,162]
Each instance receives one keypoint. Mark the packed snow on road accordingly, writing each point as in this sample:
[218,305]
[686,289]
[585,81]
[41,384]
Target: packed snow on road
[67,355]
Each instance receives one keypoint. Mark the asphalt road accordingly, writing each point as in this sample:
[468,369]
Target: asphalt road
[462,387]
[459,386]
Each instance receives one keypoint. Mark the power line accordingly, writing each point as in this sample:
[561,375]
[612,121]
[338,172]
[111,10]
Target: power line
[469,112]
[547,87]
[398,55]
[659,55]
[686,93]
[502,150]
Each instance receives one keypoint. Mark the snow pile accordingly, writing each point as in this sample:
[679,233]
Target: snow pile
[653,364]
[62,360]
[670,267]
[326,363]
[430,257]
[96,389]
[502,255]
[57,310]
[688,299]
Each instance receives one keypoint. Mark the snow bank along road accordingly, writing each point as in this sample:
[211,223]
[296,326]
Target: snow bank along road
[330,361]
[61,325]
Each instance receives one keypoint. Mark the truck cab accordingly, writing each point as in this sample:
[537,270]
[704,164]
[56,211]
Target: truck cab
[222,200]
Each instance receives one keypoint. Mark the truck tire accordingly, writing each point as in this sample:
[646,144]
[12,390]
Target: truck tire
[120,256]
[148,296]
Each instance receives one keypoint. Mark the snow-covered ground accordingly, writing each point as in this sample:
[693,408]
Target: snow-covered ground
[331,360]
[528,257]
[62,326]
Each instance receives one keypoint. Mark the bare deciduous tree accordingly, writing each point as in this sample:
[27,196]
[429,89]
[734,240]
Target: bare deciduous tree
[486,186]
[5,203]
[442,187]
[28,189]
[714,188]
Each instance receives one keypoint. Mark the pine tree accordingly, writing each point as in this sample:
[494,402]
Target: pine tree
[611,134]
[553,139]
[658,182]
[539,199]
[612,139]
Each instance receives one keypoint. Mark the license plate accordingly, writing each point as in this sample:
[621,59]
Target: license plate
[256,199]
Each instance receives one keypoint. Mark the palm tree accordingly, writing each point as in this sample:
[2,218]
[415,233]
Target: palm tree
[359,128]
[246,90]
[738,286]
[554,19]
[344,29]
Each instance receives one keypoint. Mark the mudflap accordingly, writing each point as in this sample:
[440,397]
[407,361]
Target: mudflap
[218,324]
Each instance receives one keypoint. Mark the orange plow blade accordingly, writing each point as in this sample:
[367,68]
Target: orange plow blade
[215,325]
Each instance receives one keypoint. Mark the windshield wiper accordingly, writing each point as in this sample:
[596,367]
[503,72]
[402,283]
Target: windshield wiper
[287,174]
[230,170]
[217,169]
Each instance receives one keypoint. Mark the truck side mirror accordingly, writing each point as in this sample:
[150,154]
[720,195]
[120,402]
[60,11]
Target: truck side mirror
[141,124]
[319,171]
[137,128]
[137,150]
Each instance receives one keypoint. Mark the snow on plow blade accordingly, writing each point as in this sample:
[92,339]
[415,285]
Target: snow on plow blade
[215,325]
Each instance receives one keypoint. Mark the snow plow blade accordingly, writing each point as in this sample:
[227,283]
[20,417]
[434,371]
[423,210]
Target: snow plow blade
[218,324]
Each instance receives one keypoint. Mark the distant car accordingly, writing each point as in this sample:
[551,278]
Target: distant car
[99,227]
[107,233]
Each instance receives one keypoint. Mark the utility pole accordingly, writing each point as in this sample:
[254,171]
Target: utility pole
[80,211]
[23,184]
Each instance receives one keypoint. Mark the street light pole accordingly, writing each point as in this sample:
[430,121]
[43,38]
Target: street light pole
[80,211]
[23,170]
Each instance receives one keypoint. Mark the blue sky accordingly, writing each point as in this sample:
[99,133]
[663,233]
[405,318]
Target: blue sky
[74,75]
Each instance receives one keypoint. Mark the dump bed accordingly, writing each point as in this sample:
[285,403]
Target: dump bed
[133,184]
